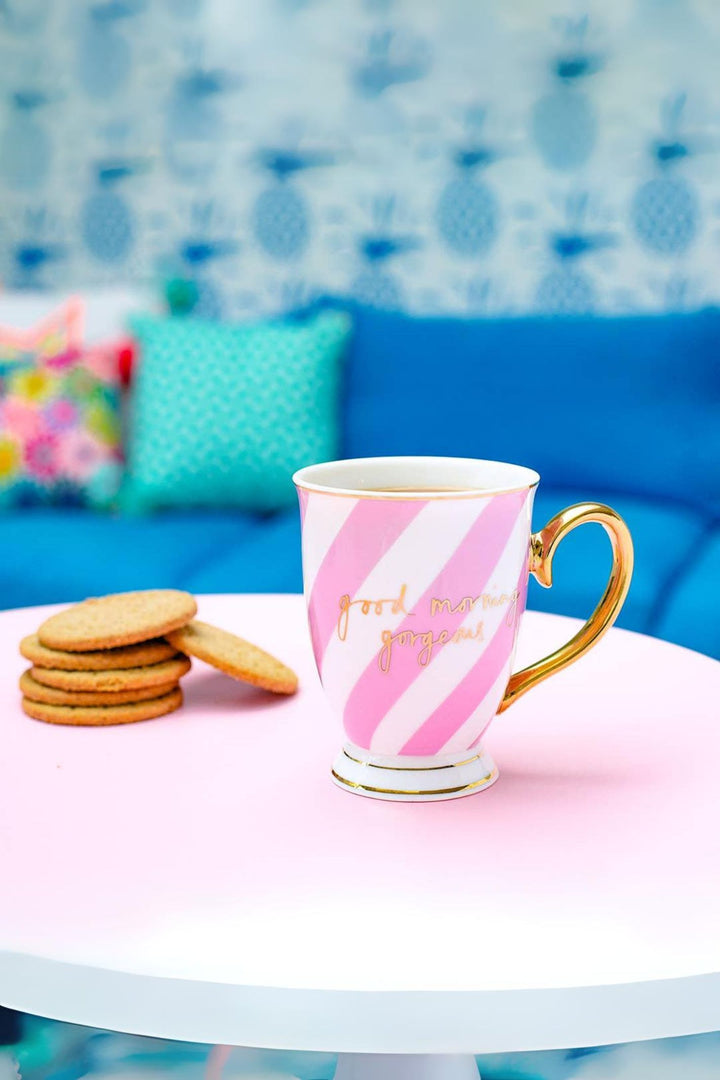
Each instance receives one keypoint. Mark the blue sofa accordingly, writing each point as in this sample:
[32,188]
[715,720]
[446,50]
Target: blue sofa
[622,410]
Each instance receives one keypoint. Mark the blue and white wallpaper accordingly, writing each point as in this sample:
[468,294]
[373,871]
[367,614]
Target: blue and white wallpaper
[463,155]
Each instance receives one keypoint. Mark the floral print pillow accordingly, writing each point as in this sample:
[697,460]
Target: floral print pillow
[59,417]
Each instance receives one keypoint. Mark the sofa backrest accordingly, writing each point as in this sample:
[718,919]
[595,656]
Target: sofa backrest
[628,404]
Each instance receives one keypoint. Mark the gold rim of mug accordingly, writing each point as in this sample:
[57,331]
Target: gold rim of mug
[411,496]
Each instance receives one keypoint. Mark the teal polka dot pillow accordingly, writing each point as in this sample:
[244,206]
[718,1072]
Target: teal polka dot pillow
[222,415]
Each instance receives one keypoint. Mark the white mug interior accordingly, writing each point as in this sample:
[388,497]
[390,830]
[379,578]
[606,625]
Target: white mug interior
[437,476]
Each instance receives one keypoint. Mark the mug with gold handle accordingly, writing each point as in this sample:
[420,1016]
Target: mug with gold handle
[416,572]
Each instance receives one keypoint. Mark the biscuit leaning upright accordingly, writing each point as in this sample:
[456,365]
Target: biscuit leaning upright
[236,657]
[107,622]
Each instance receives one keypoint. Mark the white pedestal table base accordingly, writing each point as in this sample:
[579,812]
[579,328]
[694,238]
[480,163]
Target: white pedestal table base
[406,1067]
[376,1066]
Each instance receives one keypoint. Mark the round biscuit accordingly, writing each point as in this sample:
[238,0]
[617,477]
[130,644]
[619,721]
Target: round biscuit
[169,671]
[103,715]
[235,656]
[105,622]
[51,695]
[124,656]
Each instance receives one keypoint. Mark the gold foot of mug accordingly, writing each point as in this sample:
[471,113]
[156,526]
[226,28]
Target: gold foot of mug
[416,779]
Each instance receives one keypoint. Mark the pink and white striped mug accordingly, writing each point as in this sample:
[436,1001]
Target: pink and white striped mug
[416,572]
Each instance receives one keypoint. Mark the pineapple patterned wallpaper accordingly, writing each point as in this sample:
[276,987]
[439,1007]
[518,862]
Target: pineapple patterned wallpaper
[468,156]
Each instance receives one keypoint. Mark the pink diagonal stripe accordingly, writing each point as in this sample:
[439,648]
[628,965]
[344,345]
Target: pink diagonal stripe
[368,532]
[470,692]
[376,692]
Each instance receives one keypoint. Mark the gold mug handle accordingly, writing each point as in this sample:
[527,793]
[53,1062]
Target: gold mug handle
[543,545]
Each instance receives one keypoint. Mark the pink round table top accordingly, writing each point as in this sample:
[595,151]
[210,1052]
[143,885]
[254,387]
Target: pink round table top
[200,877]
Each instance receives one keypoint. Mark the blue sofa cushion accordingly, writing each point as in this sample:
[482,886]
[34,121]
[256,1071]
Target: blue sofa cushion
[54,556]
[628,404]
[688,613]
[266,559]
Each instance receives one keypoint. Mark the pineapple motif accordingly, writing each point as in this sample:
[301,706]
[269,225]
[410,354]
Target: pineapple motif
[107,224]
[468,211]
[210,301]
[564,121]
[36,250]
[103,53]
[198,254]
[374,285]
[568,288]
[281,222]
[194,125]
[29,259]
[391,58]
[281,216]
[566,291]
[376,289]
[467,215]
[665,209]
[25,146]
[665,214]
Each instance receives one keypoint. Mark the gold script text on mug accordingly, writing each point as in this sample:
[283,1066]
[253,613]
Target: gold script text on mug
[426,639]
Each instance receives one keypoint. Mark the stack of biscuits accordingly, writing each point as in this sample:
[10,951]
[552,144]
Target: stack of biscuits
[117,659]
